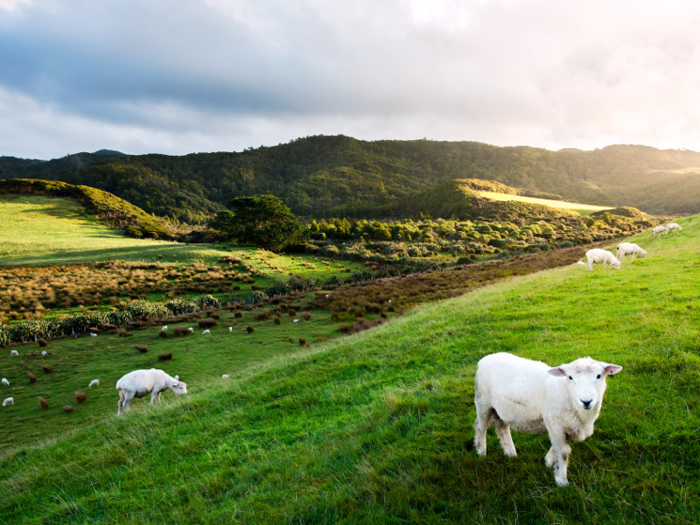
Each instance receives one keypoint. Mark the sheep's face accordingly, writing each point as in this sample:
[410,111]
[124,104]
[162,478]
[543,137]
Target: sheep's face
[586,381]
[641,253]
[616,265]
[179,388]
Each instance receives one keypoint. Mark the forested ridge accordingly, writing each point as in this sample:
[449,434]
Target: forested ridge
[326,176]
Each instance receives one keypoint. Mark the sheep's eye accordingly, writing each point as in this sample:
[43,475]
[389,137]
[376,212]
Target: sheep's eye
[598,376]
[571,378]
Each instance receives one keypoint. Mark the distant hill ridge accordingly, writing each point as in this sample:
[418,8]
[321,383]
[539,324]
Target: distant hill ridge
[324,176]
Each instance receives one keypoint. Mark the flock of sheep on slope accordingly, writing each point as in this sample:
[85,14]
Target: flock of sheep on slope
[511,392]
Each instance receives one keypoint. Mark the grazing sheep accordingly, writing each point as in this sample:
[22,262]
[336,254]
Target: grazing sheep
[659,229]
[5,382]
[190,329]
[673,226]
[44,353]
[530,396]
[93,335]
[8,401]
[141,382]
[598,255]
[43,343]
[629,248]
[581,263]
[13,352]
[230,328]
[68,409]
[164,328]
[94,382]
[206,332]
[43,403]
[225,376]
[80,397]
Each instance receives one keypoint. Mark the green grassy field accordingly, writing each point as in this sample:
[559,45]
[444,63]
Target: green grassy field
[583,209]
[377,427]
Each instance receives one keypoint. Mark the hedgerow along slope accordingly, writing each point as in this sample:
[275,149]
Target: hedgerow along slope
[377,427]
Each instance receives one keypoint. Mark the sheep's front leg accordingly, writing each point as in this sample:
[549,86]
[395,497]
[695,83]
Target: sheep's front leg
[155,396]
[558,458]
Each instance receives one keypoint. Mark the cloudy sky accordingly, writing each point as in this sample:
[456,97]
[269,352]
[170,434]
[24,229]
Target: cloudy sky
[181,76]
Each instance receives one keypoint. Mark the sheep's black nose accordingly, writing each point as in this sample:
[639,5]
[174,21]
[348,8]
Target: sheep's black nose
[587,404]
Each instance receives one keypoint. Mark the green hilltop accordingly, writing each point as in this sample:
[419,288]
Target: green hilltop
[376,427]
[325,176]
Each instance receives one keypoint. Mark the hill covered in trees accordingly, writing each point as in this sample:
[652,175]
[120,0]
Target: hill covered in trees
[326,176]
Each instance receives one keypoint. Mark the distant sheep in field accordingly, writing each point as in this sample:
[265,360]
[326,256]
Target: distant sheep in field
[48,369]
[43,403]
[80,397]
[673,226]
[68,409]
[13,353]
[164,328]
[94,382]
[5,382]
[8,401]
[142,349]
[532,397]
[659,229]
[225,376]
[598,255]
[44,353]
[629,248]
[162,334]
[206,332]
[32,378]
[141,382]
[93,335]
[43,343]
[230,328]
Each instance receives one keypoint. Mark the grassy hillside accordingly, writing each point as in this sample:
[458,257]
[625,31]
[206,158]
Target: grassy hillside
[40,230]
[99,204]
[377,427]
[324,176]
[583,209]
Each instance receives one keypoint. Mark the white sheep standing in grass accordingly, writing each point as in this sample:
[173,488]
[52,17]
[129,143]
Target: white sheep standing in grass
[530,396]
[164,328]
[93,335]
[629,248]
[142,382]
[14,352]
[657,230]
[5,382]
[206,332]
[94,382]
[225,376]
[598,255]
[44,353]
[8,401]
[673,226]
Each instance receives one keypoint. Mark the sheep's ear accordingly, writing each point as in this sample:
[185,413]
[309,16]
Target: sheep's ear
[558,371]
[612,369]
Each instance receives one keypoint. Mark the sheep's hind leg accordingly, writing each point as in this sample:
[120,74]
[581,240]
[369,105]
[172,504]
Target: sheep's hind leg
[507,444]
[481,425]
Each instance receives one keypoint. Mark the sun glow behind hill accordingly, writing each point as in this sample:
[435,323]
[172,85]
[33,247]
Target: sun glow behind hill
[583,209]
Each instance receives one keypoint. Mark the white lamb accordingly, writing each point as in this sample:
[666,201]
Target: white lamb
[94,382]
[673,226]
[8,401]
[657,230]
[532,397]
[598,255]
[230,328]
[629,248]
[44,353]
[141,382]
[164,328]
[190,329]
[206,332]
[5,382]
[93,335]
[13,352]
[225,376]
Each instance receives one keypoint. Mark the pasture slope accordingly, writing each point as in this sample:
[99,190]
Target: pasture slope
[583,209]
[377,427]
